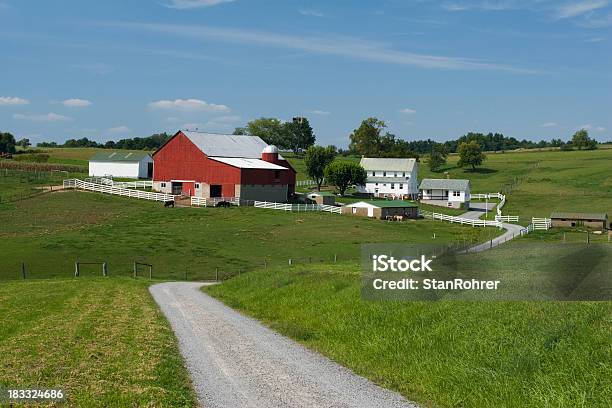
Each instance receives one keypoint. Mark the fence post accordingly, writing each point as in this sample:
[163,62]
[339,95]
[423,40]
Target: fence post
[23,270]
[104,269]
[76,269]
[290,262]
[491,244]
[335,258]
[134,269]
[150,272]
[217,274]
[265,264]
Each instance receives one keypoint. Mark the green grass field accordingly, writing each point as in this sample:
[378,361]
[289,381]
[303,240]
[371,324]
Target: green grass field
[103,341]
[55,230]
[441,354]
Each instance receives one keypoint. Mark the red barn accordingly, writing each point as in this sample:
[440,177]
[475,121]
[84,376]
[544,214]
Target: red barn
[212,165]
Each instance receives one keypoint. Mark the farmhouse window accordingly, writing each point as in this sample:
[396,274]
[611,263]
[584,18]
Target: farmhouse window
[384,174]
[384,184]
[456,193]
[376,184]
[401,186]
[404,174]
[392,186]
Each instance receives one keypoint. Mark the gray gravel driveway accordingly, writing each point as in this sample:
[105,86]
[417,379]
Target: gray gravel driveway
[235,361]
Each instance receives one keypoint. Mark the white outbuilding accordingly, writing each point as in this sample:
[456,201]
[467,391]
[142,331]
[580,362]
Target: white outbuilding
[121,164]
[453,193]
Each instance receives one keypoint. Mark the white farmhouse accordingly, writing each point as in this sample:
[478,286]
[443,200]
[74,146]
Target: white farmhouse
[121,164]
[394,178]
[446,192]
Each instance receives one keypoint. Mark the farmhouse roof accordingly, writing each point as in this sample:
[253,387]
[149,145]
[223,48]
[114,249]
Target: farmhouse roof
[579,216]
[386,180]
[386,203]
[248,163]
[115,156]
[445,184]
[219,145]
[384,164]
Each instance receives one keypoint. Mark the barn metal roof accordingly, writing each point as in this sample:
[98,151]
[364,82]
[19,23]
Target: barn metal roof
[579,216]
[218,145]
[445,184]
[118,156]
[248,163]
[385,164]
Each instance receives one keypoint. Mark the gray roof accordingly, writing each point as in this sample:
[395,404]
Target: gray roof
[579,216]
[118,156]
[212,144]
[369,163]
[445,184]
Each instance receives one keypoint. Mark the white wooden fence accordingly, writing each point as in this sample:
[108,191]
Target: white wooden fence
[507,218]
[488,196]
[541,223]
[305,183]
[121,184]
[102,188]
[212,202]
[297,207]
[460,220]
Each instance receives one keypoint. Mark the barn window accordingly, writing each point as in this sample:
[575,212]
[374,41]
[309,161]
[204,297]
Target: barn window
[163,185]
[354,210]
[276,174]
[197,185]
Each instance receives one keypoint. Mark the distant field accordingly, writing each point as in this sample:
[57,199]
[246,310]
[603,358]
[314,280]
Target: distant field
[53,231]
[441,354]
[73,155]
[103,341]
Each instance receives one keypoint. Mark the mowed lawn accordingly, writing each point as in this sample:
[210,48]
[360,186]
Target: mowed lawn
[53,231]
[103,341]
[440,354]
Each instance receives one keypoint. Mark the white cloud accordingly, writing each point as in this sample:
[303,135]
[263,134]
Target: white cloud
[189,4]
[12,101]
[328,45]
[588,126]
[408,111]
[49,117]
[600,129]
[119,129]
[454,7]
[311,12]
[76,103]
[549,124]
[319,112]
[575,9]
[189,105]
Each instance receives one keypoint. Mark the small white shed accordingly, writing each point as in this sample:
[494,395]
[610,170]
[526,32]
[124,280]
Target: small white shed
[121,164]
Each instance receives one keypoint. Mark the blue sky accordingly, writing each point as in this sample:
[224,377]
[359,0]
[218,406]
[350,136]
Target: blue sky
[432,69]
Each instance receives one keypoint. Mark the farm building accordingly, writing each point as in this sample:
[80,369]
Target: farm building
[395,178]
[322,198]
[121,164]
[382,209]
[453,193]
[572,219]
[214,165]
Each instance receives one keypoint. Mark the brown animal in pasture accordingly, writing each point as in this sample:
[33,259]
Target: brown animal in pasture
[169,204]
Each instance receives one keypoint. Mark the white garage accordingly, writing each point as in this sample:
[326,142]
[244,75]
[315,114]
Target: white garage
[121,164]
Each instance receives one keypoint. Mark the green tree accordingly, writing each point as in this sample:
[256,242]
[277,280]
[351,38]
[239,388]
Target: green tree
[25,143]
[471,154]
[581,140]
[437,157]
[270,130]
[299,134]
[316,160]
[366,140]
[7,143]
[344,174]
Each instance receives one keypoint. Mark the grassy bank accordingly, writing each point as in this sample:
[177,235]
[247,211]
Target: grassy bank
[103,341]
[55,230]
[442,354]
